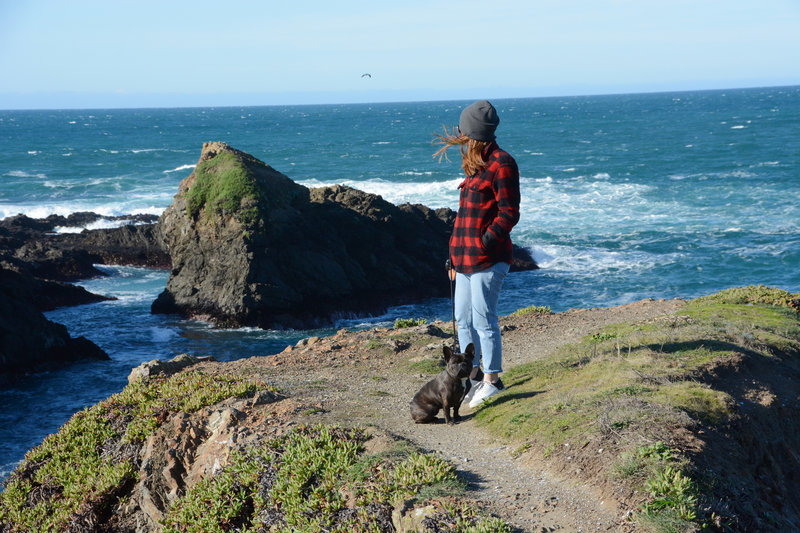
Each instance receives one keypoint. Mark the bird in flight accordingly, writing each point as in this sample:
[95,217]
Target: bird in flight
[366,75]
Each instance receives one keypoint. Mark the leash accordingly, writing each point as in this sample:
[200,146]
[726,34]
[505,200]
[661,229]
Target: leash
[451,273]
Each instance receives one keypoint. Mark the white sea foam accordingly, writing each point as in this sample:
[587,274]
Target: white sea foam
[591,262]
[415,173]
[145,150]
[50,184]
[101,223]
[432,194]
[738,127]
[178,169]
[23,174]
[67,208]
[159,335]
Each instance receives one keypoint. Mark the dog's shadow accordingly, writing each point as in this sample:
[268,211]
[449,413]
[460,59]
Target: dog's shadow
[462,418]
[497,400]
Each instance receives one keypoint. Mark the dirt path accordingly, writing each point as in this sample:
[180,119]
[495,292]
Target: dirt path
[376,394]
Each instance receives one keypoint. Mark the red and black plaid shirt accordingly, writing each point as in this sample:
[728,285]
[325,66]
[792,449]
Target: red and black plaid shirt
[487,210]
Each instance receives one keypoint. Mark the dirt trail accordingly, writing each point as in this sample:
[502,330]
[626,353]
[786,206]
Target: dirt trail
[371,392]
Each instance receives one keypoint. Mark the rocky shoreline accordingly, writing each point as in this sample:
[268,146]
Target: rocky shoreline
[251,248]
[37,266]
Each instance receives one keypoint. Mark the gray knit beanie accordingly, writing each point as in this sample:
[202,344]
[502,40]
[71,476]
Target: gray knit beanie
[479,120]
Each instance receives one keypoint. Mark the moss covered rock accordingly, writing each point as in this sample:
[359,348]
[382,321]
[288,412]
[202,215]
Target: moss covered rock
[251,247]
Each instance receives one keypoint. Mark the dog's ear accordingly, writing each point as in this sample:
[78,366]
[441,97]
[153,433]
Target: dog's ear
[448,352]
[470,351]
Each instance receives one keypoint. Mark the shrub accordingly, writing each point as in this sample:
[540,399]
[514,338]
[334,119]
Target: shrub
[533,310]
[754,294]
[409,322]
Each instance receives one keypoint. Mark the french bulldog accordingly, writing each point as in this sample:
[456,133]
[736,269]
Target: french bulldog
[446,390]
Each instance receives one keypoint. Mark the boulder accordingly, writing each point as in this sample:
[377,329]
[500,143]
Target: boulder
[250,247]
[157,367]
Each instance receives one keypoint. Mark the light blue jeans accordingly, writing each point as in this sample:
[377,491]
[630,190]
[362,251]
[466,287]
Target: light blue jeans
[476,297]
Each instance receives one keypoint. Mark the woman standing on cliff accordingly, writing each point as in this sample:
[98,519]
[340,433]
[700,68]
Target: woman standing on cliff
[480,245]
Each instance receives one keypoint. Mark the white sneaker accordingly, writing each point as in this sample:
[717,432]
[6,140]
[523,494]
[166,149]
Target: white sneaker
[486,390]
[474,386]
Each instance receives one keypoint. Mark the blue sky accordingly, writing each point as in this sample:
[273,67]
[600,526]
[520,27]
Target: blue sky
[119,53]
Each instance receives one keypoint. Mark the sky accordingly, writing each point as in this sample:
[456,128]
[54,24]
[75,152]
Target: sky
[175,53]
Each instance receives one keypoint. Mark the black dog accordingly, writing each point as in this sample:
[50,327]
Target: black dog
[444,391]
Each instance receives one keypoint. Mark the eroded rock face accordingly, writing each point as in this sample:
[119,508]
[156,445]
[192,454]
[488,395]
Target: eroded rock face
[28,341]
[188,448]
[273,253]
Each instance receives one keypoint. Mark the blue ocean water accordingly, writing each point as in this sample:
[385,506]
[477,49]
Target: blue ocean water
[624,197]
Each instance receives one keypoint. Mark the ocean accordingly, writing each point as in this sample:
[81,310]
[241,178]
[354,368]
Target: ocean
[624,197]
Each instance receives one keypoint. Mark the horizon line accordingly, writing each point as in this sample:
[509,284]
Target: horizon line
[460,95]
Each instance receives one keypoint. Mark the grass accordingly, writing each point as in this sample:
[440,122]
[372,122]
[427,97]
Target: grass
[629,383]
[427,366]
[312,479]
[317,478]
[223,186]
[92,460]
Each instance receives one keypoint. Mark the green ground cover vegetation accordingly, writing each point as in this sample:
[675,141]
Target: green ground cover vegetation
[223,186]
[317,478]
[627,380]
[91,460]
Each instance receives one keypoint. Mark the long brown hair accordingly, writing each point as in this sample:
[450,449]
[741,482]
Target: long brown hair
[471,150]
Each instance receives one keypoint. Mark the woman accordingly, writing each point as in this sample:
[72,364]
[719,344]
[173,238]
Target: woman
[480,245]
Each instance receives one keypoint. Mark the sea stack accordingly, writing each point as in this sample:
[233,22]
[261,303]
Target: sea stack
[250,247]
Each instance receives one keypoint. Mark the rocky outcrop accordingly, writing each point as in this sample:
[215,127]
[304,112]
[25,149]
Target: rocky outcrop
[189,447]
[251,247]
[28,341]
[157,367]
[35,263]
[72,256]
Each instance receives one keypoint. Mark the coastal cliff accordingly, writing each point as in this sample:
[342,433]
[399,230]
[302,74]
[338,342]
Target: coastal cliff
[250,247]
[656,416]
